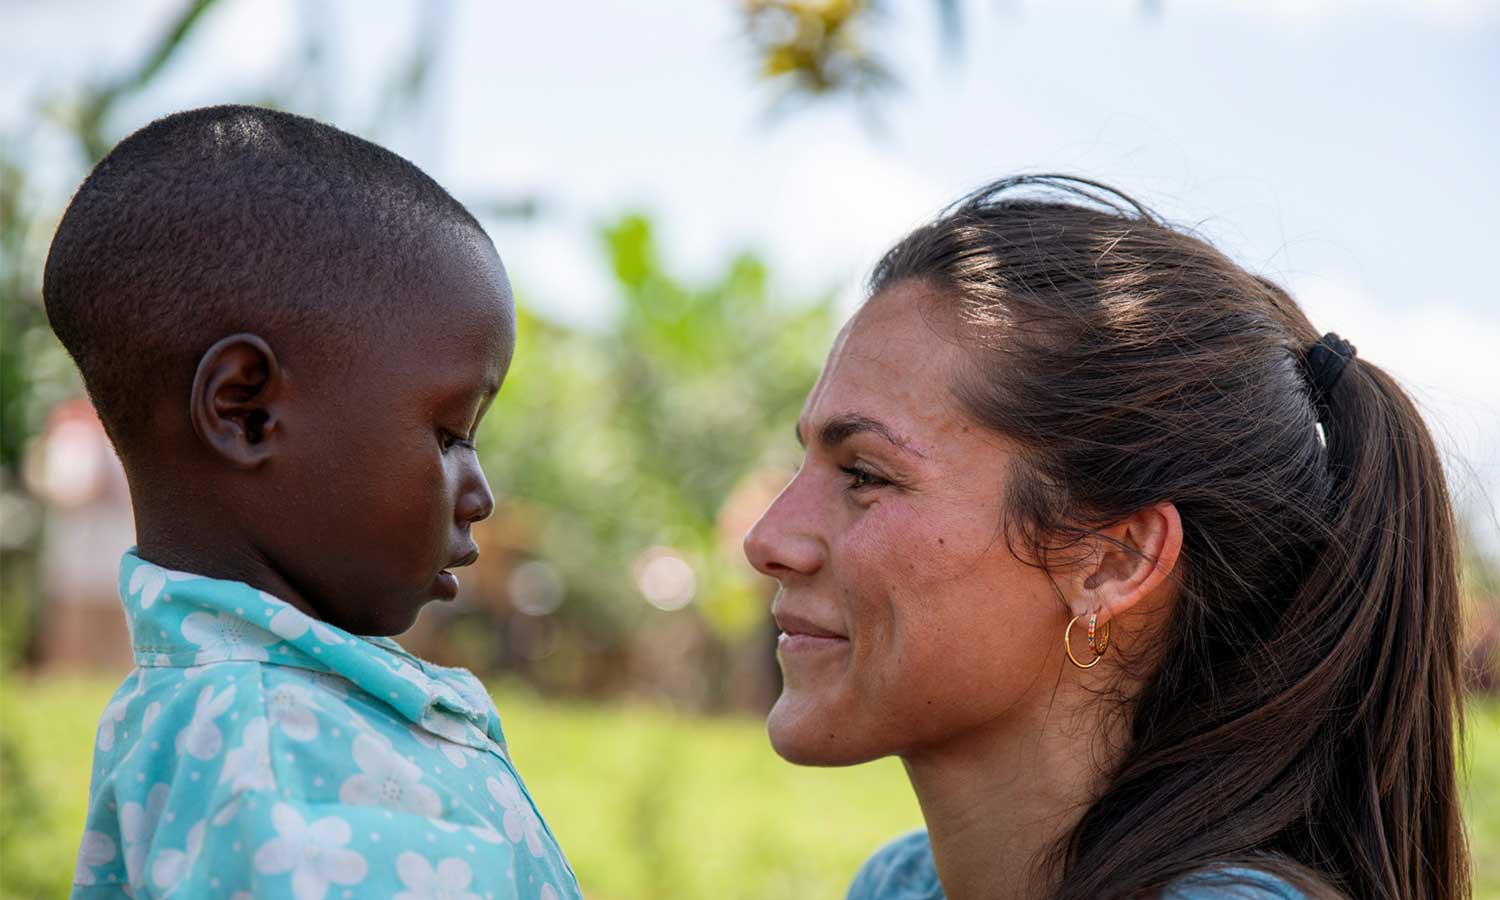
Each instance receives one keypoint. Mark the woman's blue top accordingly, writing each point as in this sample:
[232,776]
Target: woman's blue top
[904,870]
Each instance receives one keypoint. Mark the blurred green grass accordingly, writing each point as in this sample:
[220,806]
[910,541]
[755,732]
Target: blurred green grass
[648,804]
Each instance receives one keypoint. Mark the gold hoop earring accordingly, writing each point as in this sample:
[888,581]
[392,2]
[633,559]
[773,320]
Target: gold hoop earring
[1098,639]
[1097,651]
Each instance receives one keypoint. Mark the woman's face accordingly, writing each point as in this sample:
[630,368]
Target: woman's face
[906,622]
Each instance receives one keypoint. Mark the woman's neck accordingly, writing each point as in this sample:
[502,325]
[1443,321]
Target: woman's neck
[998,799]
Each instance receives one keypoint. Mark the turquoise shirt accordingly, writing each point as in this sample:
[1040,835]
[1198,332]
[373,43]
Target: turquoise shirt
[904,870]
[257,752]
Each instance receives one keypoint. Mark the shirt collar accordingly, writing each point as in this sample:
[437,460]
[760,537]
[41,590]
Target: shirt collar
[178,619]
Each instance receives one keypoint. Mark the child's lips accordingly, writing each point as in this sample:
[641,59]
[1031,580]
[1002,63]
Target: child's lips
[446,582]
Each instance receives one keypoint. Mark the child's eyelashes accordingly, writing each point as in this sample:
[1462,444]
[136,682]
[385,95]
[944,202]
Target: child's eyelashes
[449,440]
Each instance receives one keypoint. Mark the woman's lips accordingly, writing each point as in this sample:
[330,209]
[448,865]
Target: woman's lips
[809,643]
[802,635]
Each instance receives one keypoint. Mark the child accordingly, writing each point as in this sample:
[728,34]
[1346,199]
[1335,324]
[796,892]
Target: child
[291,335]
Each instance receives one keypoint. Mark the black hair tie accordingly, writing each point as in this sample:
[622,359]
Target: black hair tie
[1324,363]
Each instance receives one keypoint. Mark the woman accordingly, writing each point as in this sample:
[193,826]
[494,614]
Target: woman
[1152,589]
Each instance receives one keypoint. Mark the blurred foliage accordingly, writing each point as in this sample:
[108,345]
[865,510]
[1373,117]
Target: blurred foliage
[1480,577]
[829,49]
[815,46]
[34,371]
[607,442]
[73,127]
[87,113]
[69,129]
[634,436]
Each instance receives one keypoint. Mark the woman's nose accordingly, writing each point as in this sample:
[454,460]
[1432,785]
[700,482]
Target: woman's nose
[475,502]
[782,542]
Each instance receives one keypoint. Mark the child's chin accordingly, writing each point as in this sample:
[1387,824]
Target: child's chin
[396,618]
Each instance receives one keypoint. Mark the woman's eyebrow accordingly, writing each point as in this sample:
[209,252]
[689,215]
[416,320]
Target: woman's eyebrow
[840,428]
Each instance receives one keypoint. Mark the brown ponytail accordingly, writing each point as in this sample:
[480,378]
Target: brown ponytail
[1302,712]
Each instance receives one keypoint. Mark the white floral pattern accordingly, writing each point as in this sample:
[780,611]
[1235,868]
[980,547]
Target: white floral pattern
[412,675]
[387,779]
[152,713]
[137,825]
[148,581]
[448,880]
[201,738]
[315,853]
[224,636]
[248,766]
[291,623]
[173,866]
[337,685]
[228,812]
[114,713]
[97,849]
[291,707]
[521,822]
[439,732]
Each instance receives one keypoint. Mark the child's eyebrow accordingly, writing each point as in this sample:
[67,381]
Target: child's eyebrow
[491,390]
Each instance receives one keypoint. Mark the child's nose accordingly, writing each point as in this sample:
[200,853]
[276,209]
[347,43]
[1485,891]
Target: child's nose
[475,501]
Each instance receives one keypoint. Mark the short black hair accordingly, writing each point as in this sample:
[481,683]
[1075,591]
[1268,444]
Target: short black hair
[226,219]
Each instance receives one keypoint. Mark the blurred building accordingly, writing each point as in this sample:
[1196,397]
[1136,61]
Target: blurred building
[86,526]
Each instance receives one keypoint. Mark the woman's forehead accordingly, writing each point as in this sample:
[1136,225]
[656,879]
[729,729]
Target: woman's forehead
[888,364]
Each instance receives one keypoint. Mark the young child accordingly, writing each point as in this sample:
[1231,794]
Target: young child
[291,335]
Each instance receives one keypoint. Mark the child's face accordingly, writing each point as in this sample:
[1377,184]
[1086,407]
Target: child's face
[368,504]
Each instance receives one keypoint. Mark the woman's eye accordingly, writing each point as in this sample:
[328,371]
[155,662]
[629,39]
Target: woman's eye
[861,478]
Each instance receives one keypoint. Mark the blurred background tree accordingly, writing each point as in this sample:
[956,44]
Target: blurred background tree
[617,455]
[615,449]
[620,447]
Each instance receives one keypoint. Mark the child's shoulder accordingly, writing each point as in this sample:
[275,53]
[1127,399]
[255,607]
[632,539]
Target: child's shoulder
[161,714]
[217,770]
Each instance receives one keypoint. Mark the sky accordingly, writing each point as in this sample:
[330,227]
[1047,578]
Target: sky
[1346,149]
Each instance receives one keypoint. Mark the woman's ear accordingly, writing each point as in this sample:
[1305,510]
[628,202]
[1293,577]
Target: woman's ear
[1130,561]
[236,400]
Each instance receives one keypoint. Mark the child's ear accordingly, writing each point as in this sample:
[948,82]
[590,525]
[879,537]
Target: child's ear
[235,402]
[1130,560]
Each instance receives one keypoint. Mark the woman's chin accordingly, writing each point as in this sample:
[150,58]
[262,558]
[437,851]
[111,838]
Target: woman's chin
[807,735]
